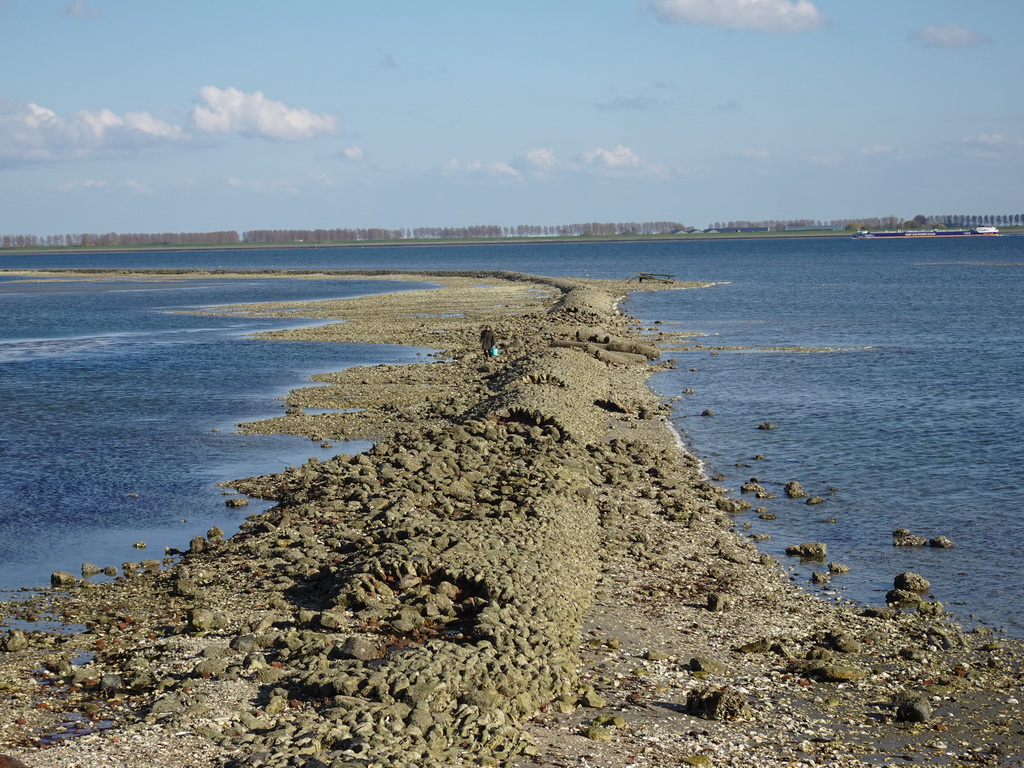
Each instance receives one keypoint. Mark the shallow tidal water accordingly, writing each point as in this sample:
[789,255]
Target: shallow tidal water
[906,414]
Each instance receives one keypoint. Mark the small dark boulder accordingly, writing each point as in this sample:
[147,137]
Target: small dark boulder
[794,490]
[913,582]
[902,537]
[62,579]
[915,710]
[358,648]
[714,703]
[809,550]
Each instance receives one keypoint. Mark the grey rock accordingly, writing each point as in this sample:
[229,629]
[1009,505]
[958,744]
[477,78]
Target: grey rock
[810,550]
[913,582]
[707,665]
[914,710]
[840,673]
[111,684]
[718,703]
[14,640]
[794,490]
[718,601]
[210,668]
[902,597]
[62,579]
[168,704]
[358,648]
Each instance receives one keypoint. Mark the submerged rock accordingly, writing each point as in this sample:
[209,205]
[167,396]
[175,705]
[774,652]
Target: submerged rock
[794,490]
[810,550]
[911,581]
[62,579]
[902,537]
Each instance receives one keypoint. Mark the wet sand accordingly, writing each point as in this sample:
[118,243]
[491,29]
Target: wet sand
[525,570]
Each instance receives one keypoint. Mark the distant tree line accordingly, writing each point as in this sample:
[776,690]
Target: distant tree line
[114,238]
[970,220]
[320,235]
[484,231]
[477,232]
[884,222]
[598,229]
[774,224]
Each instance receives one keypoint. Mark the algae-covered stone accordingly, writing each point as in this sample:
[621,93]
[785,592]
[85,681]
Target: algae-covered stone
[718,703]
[598,733]
[841,673]
[62,579]
[707,665]
[14,640]
[794,490]
[911,581]
[810,550]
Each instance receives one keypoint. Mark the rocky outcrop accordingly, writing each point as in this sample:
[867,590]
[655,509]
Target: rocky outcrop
[438,599]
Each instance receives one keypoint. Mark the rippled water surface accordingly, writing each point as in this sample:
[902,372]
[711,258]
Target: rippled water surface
[119,414]
[907,414]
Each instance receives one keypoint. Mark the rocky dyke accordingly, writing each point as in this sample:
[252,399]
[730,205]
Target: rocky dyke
[525,569]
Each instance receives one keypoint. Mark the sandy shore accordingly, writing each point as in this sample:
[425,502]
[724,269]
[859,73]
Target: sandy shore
[525,570]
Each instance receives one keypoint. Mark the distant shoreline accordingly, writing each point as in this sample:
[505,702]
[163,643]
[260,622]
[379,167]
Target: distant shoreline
[702,237]
[427,243]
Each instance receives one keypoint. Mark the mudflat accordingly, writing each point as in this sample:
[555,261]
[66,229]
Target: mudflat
[526,569]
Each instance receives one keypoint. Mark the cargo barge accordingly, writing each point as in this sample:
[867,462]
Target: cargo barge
[973,232]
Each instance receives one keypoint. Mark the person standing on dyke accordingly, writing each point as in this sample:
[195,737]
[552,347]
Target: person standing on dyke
[488,341]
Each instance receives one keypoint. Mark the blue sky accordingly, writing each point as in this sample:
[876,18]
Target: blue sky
[189,116]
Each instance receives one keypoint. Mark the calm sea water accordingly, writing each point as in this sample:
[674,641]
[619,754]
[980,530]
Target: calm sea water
[118,414]
[910,420]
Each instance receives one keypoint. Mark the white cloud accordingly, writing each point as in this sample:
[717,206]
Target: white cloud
[265,187]
[541,162]
[878,149]
[355,154]
[761,15]
[618,157]
[540,159]
[756,155]
[80,10]
[92,185]
[497,168]
[628,103]
[949,36]
[991,145]
[230,110]
[72,186]
[826,161]
[32,133]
